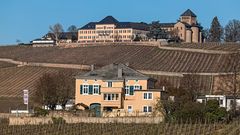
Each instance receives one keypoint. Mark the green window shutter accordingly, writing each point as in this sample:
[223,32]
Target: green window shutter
[140,87]
[131,90]
[99,89]
[81,89]
[90,89]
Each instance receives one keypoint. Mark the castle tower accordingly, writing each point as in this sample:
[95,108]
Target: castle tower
[189,17]
[188,36]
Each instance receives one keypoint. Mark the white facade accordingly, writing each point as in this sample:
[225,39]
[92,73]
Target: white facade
[224,101]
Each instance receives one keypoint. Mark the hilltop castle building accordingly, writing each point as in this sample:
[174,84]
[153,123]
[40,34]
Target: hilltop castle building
[187,28]
[111,30]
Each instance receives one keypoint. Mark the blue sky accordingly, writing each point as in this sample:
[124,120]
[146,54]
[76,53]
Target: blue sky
[29,19]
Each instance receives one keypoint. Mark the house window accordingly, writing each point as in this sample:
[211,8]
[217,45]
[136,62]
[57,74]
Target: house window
[109,84]
[147,108]
[136,87]
[231,102]
[110,97]
[130,108]
[147,96]
[221,102]
[127,90]
[95,89]
[204,101]
[85,89]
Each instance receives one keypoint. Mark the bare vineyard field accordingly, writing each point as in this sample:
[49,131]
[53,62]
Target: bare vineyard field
[6,65]
[138,57]
[123,129]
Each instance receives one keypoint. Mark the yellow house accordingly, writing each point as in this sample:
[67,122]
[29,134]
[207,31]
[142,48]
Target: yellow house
[116,87]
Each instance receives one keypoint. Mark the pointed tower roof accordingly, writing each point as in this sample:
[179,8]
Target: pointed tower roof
[109,20]
[189,13]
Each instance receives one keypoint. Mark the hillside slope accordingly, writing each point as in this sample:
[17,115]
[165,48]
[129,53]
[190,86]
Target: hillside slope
[138,57]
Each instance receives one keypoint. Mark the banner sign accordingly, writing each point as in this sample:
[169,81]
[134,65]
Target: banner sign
[25,97]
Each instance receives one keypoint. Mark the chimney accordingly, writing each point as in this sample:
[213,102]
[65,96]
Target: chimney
[120,72]
[92,67]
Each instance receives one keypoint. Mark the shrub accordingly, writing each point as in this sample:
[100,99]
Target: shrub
[40,112]
[4,121]
[58,120]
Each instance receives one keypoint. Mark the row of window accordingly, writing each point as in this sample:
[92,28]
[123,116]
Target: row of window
[90,89]
[110,97]
[105,31]
[94,37]
[87,32]
[97,80]
[104,27]
[145,108]
[129,90]
[95,89]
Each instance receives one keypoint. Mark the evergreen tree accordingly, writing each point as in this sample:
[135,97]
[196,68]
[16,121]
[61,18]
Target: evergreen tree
[156,32]
[216,31]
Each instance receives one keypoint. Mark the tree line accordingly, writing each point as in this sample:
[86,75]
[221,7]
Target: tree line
[218,33]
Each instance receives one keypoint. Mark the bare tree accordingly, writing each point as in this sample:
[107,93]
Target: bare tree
[234,79]
[56,29]
[230,83]
[232,31]
[65,87]
[72,28]
[206,33]
[46,91]
[191,86]
[173,35]
[55,89]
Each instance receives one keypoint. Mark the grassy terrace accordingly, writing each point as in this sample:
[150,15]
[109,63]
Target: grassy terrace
[139,57]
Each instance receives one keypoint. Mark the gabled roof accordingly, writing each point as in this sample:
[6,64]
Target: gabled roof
[112,20]
[189,13]
[110,72]
[108,20]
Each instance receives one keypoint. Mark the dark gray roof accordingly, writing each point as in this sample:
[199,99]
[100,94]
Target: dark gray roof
[90,25]
[63,36]
[167,24]
[189,13]
[112,20]
[110,72]
[108,20]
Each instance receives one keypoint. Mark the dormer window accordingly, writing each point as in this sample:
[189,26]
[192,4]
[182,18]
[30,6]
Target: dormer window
[109,84]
